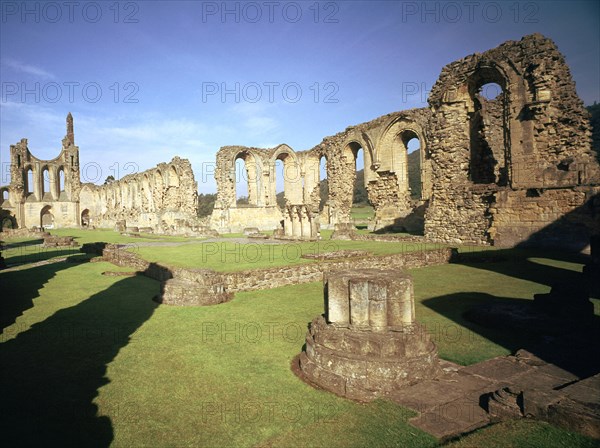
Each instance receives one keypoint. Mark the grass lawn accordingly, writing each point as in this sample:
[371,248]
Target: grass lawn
[110,236]
[233,256]
[362,212]
[27,250]
[87,359]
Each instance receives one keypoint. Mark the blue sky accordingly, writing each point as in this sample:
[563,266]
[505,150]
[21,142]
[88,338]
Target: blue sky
[145,80]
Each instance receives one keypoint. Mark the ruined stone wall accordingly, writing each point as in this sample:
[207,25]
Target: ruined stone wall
[564,218]
[52,196]
[383,144]
[251,280]
[258,279]
[159,198]
[43,192]
[262,210]
[487,154]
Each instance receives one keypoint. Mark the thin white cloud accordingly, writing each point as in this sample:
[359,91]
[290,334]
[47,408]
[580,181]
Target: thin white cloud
[259,125]
[27,68]
[256,118]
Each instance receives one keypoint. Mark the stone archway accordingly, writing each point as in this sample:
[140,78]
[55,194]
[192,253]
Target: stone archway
[46,217]
[85,218]
[7,222]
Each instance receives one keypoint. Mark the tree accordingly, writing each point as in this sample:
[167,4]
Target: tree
[206,204]
[109,180]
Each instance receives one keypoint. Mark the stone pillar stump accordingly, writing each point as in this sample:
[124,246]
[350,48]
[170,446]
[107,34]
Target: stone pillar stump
[368,344]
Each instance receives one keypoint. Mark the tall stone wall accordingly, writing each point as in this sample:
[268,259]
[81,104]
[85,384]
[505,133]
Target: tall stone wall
[49,193]
[158,198]
[383,144]
[43,193]
[500,170]
[504,169]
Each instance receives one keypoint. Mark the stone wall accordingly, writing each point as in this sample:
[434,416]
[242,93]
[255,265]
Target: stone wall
[383,143]
[220,285]
[483,159]
[505,168]
[43,193]
[49,194]
[158,198]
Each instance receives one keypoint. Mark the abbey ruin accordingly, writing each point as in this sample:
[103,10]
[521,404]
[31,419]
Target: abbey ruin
[518,168]
[49,193]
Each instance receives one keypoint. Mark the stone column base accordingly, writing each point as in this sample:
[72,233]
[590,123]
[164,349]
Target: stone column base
[363,364]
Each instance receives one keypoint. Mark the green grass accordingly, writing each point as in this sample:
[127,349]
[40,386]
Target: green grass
[110,236]
[362,212]
[92,358]
[27,250]
[227,257]
[524,434]
[159,375]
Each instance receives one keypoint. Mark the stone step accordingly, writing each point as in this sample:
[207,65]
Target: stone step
[452,419]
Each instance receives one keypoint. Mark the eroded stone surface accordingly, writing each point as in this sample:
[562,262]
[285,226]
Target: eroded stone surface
[368,344]
[163,198]
[516,169]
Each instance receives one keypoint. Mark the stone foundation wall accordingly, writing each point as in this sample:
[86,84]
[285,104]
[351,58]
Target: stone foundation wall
[290,275]
[59,241]
[205,281]
[23,233]
[560,218]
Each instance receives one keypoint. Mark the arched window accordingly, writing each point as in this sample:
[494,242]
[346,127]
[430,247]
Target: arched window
[280,174]
[29,183]
[61,179]
[46,218]
[488,127]
[287,179]
[241,182]
[7,223]
[247,180]
[412,146]
[45,182]
[323,182]
[356,152]
[85,218]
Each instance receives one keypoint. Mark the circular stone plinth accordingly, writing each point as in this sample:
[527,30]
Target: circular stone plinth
[363,365]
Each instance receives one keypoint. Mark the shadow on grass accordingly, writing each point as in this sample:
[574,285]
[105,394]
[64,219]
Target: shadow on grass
[514,324]
[51,373]
[517,263]
[33,242]
[573,347]
[33,254]
[20,288]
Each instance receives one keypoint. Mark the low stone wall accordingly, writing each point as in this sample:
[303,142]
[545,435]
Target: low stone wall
[389,237]
[59,241]
[120,256]
[347,231]
[251,280]
[186,286]
[24,233]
